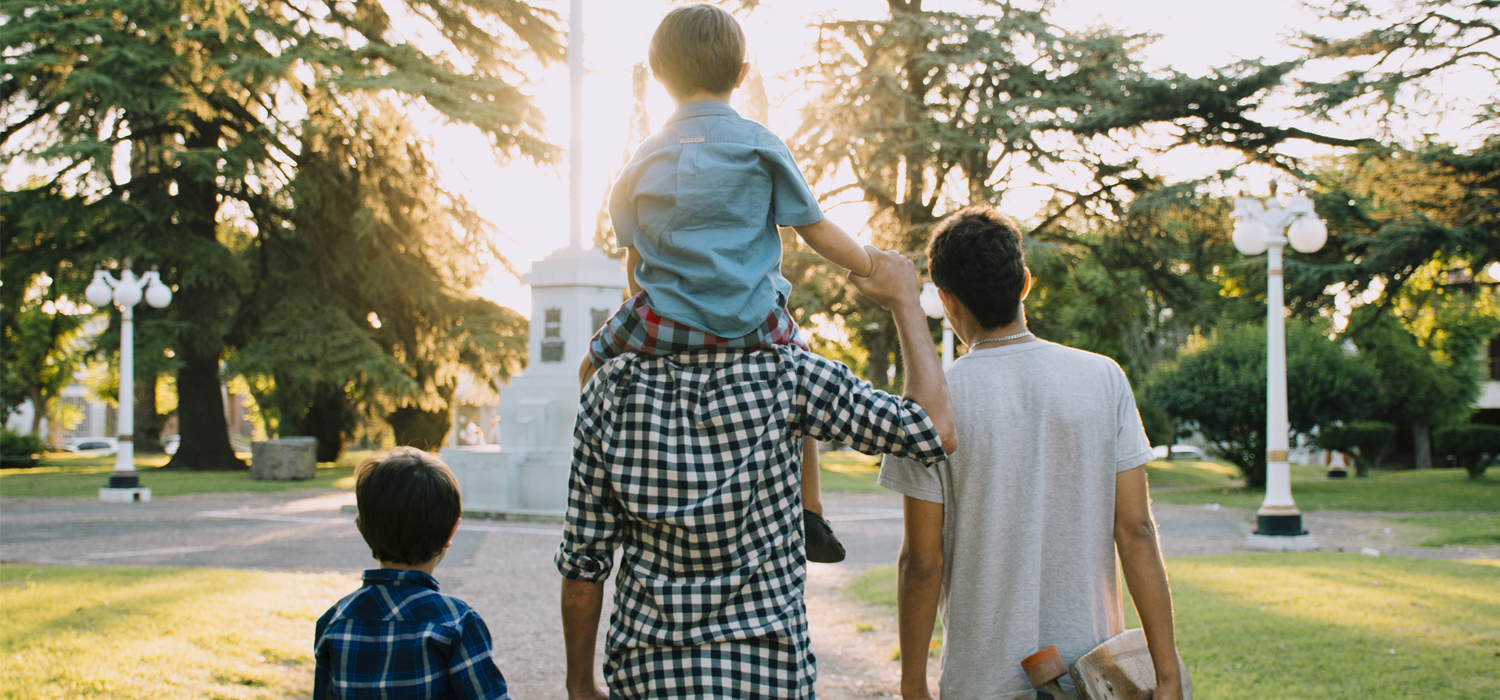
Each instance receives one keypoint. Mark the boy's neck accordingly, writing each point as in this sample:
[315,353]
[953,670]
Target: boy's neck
[425,567]
[702,96]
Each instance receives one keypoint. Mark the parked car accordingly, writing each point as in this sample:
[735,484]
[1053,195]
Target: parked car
[1186,452]
[93,447]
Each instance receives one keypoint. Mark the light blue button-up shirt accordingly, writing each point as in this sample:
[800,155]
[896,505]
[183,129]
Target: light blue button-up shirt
[701,201]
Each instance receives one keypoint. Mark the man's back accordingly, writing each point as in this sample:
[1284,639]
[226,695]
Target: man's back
[689,466]
[1028,513]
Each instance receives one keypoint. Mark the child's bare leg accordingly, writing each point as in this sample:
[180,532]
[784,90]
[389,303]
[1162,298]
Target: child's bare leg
[586,371]
[812,493]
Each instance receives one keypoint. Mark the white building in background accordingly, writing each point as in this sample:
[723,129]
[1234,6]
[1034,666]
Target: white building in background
[1489,396]
[524,473]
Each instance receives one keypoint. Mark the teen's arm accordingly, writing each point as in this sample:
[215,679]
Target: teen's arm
[919,580]
[1140,557]
[893,284]
[837,247]
[632,258]
[582,603]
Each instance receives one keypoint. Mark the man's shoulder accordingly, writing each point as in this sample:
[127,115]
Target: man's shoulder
[1054,356]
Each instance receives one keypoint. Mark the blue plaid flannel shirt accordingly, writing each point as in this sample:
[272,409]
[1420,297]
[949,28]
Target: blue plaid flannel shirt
[691,465]
[398,637]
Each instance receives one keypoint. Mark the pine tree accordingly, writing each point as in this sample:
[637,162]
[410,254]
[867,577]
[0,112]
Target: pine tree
[364,303]
[211,99]
[929,111]
[1398,64]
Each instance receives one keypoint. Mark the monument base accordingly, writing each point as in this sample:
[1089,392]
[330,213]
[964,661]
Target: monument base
[135,495]
[1281,543]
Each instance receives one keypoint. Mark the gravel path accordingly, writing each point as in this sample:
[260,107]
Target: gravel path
[505,569]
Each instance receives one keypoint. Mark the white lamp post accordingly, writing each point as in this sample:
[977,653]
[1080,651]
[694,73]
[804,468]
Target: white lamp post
[1259,228]
[932,304]
[126,292]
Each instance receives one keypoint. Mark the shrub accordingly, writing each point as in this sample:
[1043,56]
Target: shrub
[1474,446]
[14,444]
[1365,441]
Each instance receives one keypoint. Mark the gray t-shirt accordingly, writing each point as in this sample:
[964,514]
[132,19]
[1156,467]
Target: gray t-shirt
[1028,510]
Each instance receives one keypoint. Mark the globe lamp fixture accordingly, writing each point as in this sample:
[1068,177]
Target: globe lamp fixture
[125,292]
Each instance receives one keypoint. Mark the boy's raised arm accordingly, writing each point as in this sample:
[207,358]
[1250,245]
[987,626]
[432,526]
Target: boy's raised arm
[837,247]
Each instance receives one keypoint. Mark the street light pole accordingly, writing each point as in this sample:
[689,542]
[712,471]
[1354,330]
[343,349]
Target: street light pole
[575,124]
[932,305]
[1269,228]
[127,291]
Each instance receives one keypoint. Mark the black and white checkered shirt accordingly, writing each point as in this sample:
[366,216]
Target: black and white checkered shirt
[690,464]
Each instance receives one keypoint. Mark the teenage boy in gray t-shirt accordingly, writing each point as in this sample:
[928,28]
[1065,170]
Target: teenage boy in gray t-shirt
[1015,535]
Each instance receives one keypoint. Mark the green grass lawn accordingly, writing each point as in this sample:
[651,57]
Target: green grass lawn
[1324,626]
[1432,490]
[1478,528]
[1167,473]
[847,471]
[160,633]
[82,476]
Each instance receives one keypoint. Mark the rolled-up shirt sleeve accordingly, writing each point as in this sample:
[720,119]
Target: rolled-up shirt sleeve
[836,406]
[594,525]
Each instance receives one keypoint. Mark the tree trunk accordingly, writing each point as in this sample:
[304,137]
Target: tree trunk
[423,430]
[328,418]
[200,417]
[38,409]
[202,306]
[148,422]
[1421,444]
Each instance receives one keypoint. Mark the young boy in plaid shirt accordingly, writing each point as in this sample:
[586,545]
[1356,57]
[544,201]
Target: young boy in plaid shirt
[697,211]
[397,636]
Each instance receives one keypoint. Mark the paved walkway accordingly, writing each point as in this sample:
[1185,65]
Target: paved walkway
[505,569]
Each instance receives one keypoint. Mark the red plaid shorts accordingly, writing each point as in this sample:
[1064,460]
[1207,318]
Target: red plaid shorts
[636,327]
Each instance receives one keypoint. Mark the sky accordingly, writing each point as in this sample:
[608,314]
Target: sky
[529,203]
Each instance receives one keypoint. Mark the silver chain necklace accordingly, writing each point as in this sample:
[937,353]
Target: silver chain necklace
[978,343]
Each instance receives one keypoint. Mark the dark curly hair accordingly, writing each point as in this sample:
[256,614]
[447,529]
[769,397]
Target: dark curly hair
[977,255]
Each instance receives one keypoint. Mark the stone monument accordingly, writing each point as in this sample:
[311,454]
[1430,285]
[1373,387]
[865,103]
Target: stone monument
[284,459]
[574,290]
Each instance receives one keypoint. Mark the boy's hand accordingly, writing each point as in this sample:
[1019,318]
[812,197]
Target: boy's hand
[892,281]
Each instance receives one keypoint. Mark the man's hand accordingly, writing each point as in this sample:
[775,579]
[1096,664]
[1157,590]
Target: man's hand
[1165,693]
[893,280]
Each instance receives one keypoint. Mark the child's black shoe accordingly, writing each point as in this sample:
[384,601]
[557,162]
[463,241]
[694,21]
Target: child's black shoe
[822,545]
